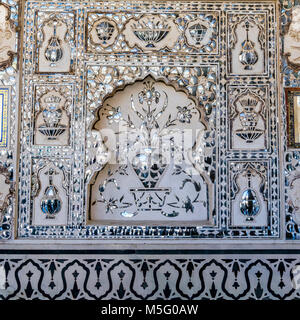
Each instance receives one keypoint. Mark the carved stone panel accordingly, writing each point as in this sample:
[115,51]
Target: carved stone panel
[151,32]
[249,193]
[7,37]
[103,32]
[52,114]
[55,41]
[202,31]
[50,191]
[196,32]
[247,44]
[151,166]
[248,116]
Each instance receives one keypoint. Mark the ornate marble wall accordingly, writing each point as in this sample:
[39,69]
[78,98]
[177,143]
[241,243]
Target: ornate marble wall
[129,123]
[208,73]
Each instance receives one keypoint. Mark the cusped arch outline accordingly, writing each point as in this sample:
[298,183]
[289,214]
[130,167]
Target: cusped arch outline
[202,119]
[156,79]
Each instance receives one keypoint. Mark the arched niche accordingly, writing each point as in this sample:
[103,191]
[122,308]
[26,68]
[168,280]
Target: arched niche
[155,175]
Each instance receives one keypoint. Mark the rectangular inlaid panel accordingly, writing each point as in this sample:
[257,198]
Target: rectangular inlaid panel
[149,120]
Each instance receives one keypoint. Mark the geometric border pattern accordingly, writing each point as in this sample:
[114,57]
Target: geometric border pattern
[101,276]
[5,93]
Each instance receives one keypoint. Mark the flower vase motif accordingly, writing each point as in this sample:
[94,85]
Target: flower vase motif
[198,32]
[149,167]
[52,115]
[54,52]
[249,118]
[249,204]
[150,31]
[105,31]
[248,56]
[148,164]
[51,202]
[154,116]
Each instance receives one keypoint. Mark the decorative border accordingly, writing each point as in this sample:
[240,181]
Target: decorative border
[158,275]
[4,93]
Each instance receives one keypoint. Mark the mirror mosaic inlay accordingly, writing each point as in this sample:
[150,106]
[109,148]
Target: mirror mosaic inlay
[171,125]
[130,113]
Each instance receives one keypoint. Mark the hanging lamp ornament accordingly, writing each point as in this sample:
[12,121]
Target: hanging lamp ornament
[51,202]
[248,56]
[249,204]
[54,52]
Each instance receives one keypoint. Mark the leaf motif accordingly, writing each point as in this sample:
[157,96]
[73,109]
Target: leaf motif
[197,186]
[184,182]
[167,291]
[173,204]
[213,291]
[258,291]
[126,204]
[196,199]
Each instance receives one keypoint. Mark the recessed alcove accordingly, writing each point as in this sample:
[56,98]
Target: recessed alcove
[155,174]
